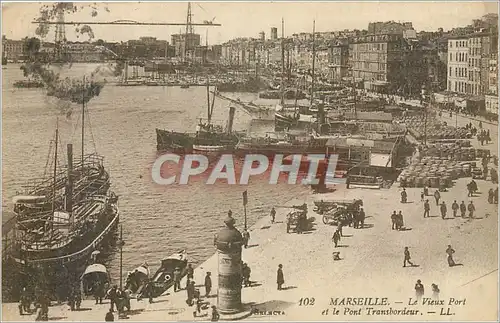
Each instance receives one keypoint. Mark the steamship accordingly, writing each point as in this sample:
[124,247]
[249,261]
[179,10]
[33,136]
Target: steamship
[62,219]
[209,137]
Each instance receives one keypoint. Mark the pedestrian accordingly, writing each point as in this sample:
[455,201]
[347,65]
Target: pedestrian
[437,196]
[471,208]
[419,289]
[443,210]
[215,314]
[208,284]
[149,290]
[404,196]
[339,228]
[246,237]
[273,215]
[177,279]
[230,214]
[426,191]
[280,280]
[246,275]
[422,196]
[190,293]
[435,292]
[394,219]
[336,238]
[190,271]
[450,253]
[455,208]
[463,209]
[496,195]
[112,293]
[400,223]
[491,196]
[25,303]
[427,209]
[109,316]
[362,217]
[407,257]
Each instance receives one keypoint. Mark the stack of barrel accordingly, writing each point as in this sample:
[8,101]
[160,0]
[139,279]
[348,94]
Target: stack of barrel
[438,165]
[417,127]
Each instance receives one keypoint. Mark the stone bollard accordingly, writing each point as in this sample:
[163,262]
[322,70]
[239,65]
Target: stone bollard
[228,243]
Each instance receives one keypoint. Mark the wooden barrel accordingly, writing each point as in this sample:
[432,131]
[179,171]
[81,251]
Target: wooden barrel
[434,182]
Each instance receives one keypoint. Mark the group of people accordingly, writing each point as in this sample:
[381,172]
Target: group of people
[397,221]
[41,301]
[419,290]
[483,136]
[449,251]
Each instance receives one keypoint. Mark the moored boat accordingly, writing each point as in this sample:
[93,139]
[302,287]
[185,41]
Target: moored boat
[137,278]
[94,277]
[163,279]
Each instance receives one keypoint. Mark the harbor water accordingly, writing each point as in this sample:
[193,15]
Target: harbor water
[157,220]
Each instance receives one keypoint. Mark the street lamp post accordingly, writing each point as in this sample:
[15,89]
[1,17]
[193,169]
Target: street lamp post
[121,243]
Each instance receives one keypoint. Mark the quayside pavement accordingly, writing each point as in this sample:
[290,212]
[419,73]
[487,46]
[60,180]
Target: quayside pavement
[371,264]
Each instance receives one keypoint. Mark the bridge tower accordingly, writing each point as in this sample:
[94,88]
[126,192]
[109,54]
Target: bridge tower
[60,35]
[188,38]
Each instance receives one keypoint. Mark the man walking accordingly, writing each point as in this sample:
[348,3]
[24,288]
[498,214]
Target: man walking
[246,237]
[471,208]
[407,257]
[427,209]
[394,218]
[336,238]
[463,209]
[280,280]
[177,279]
[437,196]
[190,272]
[419,289]
[273,215]
[208,284]
[455,208]
[443,210]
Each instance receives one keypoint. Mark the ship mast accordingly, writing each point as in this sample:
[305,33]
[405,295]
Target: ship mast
[54,186]
[313,61]
[83,118]
[282,61]
[209,112]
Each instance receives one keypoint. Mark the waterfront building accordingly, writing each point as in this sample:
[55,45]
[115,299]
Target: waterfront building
[378,60]
[185,44]
[338,61]
[12,49]
[274,33]
[458,52]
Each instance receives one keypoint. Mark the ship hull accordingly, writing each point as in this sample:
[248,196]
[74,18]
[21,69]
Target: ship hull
[55,271]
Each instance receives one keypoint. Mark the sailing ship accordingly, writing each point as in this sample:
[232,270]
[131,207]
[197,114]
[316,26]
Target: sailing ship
[289,117]
[208,138]
[63,219]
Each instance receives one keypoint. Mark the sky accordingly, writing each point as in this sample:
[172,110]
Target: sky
[246,19]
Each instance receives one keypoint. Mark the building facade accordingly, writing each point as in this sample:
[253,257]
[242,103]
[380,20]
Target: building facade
[13,50]
[339,60]
[378,61]
[458,52]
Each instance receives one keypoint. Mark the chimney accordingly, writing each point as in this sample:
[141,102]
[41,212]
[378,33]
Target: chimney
[232,111]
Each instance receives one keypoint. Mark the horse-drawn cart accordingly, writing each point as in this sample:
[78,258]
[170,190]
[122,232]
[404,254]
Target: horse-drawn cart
[338,211]
[296,220]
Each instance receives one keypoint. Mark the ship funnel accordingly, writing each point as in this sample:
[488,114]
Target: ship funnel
[69,185]
[232,111]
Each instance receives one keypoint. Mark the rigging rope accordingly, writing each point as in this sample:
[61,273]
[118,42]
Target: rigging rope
[91,133]
[48,160]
